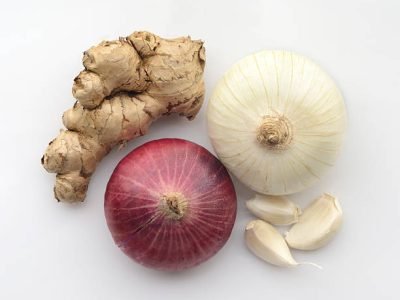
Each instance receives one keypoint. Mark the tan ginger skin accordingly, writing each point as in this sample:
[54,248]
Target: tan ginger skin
[125,86]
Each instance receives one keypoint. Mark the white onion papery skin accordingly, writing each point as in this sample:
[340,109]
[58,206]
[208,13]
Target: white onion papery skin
[279,84]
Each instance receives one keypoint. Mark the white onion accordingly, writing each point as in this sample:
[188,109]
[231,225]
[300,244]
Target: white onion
[276,120]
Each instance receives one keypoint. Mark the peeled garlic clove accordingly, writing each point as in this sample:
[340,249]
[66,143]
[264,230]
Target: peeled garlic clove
[274,209]
[317,225]
[268,244]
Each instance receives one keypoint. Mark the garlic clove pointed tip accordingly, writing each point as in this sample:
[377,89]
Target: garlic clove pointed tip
[251,225]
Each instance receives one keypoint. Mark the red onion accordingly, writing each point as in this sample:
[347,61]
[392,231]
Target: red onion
[170,204]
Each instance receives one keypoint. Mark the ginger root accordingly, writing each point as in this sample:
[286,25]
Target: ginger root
[125,86]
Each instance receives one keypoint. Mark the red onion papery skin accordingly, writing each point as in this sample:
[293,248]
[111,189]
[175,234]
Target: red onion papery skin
[170,204]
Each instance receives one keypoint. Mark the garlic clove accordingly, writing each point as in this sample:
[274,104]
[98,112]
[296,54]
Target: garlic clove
[317,225]
[268,244]
[274,209]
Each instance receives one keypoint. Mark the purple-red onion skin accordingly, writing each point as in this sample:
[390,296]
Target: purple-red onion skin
[133,204]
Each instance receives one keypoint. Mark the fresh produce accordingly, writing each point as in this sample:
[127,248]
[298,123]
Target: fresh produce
[314,228]
[276,210]
[125,86]
[170,204]
[268,244]
[317,225]
[276,121]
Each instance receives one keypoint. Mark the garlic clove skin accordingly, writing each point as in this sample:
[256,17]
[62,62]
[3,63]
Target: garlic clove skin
[268,244]
[317,225]
[274,209]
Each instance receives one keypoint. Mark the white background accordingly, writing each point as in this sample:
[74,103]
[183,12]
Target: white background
[51,250]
